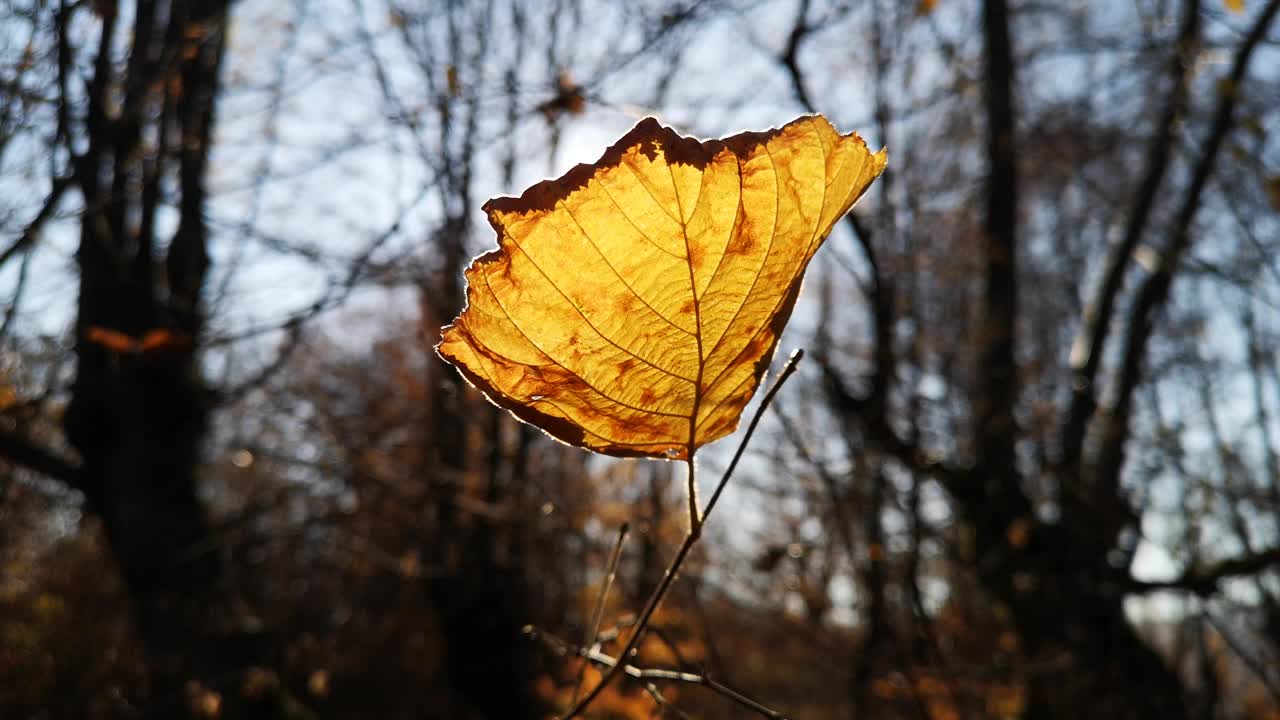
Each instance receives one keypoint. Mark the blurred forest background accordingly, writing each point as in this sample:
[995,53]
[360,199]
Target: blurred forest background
[1031,467]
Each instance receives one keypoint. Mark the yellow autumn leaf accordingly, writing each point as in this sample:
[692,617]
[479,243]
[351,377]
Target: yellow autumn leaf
[1235,6]
[633,305]
[1272,186]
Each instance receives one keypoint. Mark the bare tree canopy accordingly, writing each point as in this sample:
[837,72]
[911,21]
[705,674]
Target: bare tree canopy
[1030,466]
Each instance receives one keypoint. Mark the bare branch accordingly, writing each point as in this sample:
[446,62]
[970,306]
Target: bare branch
[563,648]
[21,451]
[787,370]
[1155,290]
[31,232]
[1204,580]
[800,29]
[853,412]
[1258,666]
[841,512]
[1086,351]
[19,289]
[593,627]
[996,391]
[690,540]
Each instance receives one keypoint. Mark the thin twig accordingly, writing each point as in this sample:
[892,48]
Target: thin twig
[690,539]
[691,478]
[1257,666]
[1204,580]
[597,614]
[31,232]
[651,674]
[660,592]
[1095,325]
[1154,292]
[787,370]
[663,702]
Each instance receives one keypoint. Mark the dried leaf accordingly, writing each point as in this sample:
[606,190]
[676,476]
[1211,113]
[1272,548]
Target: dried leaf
[1272,185]
[1235,6]
[633,305]
[153,342]
[157,339]
[113,340]
[160,343]
[569,98]
[1019,532]
[452,82]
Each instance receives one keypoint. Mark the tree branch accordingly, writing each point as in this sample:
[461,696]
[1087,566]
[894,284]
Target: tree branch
[1155,290]
[1086,351]
[876,289]
[799,30]
[593,628]
[854,412]
[1204,580]
[33,228]
[690,540]
[560,647]
[996,391]
[21,451]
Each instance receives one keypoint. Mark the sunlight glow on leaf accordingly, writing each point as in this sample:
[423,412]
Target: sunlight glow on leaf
[633,305]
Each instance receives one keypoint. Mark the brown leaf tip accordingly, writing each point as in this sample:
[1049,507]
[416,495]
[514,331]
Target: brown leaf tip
[647,136]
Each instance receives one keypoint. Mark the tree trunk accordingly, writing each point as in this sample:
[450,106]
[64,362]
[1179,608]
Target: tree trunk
[1085,654]
[1063,597]
[139,407]
[483,604]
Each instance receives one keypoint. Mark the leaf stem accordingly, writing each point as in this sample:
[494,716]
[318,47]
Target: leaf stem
[695,517]
[690,539]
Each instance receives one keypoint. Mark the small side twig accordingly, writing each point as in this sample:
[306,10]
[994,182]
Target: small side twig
[663,702]
[696,522]
[649,675]
[787,371]
[593,627]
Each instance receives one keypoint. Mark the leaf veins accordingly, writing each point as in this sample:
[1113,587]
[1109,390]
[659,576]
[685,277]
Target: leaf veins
[633,304]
